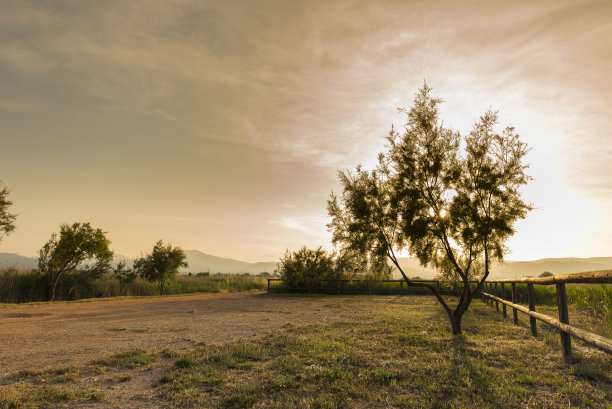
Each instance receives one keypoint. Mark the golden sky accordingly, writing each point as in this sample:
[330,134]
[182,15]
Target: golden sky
[220,125]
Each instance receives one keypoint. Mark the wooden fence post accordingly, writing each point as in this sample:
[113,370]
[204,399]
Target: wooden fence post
[338,287]
[514,310]
[503,297]
[268,286]
[566,340]
[496,302]
[532,320]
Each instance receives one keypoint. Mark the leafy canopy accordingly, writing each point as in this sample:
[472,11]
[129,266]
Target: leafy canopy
[451,201]
[306,267]
[78,247]
[161,265]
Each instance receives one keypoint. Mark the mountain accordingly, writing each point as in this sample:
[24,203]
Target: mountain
[199,261]
[511,269]
[26,263]
[15,260]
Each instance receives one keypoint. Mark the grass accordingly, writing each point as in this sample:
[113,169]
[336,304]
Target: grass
[22,286]
[391,352]
[19,396]
[399,357]
[48,388]
[128,359]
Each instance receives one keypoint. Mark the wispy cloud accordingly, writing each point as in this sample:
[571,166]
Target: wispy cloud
[312,225]
[311,84]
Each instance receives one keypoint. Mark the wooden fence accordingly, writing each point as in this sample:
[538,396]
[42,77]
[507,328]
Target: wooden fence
[357,287]
[562,324]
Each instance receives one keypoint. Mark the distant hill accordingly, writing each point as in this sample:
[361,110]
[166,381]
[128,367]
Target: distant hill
[199,261]
[510,269]
[17,261]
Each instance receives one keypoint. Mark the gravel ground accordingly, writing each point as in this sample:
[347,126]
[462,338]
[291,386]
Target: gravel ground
[45,335]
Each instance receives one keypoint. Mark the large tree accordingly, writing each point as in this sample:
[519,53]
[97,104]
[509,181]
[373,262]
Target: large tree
[161,265]
[7,220]
[79,247]
[451,201]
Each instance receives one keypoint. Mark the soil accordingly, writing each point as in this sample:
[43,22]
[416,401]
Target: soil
[37,336]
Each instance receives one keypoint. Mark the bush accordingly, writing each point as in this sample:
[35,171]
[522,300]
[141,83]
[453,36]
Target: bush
[305,267]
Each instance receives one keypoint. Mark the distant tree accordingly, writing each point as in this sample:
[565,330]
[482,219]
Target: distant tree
[305,267]
[161,265]
[203,274]
[7,220]
[450,201]
[124,275]
[264,274]
[546,274]
[79,247]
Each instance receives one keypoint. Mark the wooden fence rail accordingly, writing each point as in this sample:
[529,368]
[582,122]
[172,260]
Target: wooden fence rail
[562,324]
[353,286]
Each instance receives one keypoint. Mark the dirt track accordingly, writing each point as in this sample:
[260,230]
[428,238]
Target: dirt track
[51,335]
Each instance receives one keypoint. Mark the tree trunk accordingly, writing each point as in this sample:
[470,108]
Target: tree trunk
[52,288]
[456,324]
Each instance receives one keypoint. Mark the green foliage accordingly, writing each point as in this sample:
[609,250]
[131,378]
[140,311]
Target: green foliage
[306,267]
[450,207]
[79,247]
[161,265]
[7,220]
[124,275]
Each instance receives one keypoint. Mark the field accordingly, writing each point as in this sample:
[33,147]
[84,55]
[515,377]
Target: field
[248,349]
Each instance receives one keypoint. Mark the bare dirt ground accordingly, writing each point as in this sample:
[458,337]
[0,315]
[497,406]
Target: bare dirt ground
[61,334]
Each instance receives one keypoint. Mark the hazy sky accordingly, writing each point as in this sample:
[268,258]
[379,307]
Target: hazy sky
[220,125]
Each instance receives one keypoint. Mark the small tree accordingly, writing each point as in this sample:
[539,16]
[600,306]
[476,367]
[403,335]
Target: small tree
[452,208]
[7,220]
[124,275]
[78,247]
[161,265]
[305,267]
[546,274]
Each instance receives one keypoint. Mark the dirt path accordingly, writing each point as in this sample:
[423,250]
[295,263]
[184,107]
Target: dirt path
[60,334]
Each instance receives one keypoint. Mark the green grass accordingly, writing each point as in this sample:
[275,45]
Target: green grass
[128,359]
[22,286]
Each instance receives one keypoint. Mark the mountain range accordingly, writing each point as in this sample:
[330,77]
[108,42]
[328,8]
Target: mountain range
[202,262]
[198,262]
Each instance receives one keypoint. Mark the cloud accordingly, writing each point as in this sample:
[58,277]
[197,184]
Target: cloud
[312,84]
[312,225]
